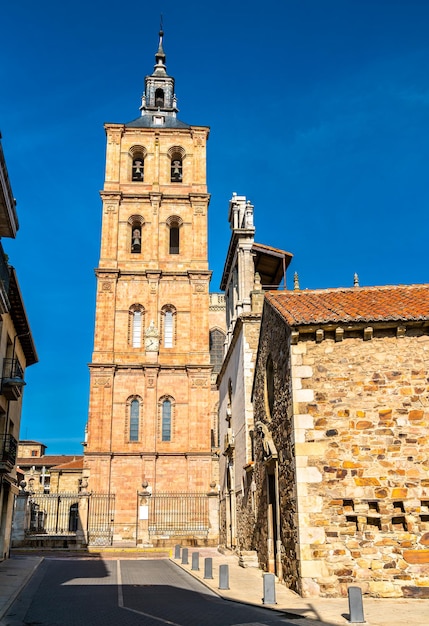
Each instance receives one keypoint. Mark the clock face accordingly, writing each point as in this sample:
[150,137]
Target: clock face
[151,344]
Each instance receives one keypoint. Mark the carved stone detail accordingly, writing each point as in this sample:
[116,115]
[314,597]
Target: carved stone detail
[102,381]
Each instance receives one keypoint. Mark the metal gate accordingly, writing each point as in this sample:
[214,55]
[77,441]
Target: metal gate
[101,513]
[179,514]
[54,513]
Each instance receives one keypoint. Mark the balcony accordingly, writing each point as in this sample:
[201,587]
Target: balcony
[12,381]
[8,449]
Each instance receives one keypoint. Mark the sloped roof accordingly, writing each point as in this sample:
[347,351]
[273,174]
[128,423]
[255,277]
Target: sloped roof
[352,305]
[270,263]
[26,442]
[146,121]
[76,464]
[47,460]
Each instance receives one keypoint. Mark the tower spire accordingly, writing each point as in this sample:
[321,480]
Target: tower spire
[159,102]
[160,58]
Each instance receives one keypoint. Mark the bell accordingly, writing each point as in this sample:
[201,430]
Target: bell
[177,174]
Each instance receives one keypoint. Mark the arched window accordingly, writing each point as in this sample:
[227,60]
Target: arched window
[166,420]
[135,233]
[176,154]
[137,156]
[176,169]
[159,98]
[136,239]
[168,313]
[136,326]
[134,420]
[174,224]
[168,330]
[216,343]
[174,240]
[138,169]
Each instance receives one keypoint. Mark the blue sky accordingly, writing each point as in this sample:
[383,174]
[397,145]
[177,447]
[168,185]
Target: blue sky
[319,114]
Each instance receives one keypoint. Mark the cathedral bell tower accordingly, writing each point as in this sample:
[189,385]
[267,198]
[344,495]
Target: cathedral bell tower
[149,411]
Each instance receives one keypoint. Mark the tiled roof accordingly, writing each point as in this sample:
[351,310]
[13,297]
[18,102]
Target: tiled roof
[26,442]
[146,121]
[353,305]
[47,460]
[76,464]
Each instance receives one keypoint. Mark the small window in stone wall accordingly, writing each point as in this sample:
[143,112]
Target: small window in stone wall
[374,522]
[399,523]
[424,514]
[374,506]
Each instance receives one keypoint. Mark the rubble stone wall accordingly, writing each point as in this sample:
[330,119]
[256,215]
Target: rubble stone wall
[350,424]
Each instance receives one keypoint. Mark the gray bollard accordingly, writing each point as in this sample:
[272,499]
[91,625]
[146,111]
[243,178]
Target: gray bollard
[208,567]
[195,561]
[177,552]
[269,589]
[223,577]
[185,556]
[355,605]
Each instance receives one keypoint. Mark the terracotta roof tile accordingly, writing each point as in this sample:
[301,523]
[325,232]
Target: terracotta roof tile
[48,460]
[352,305]
[76,464]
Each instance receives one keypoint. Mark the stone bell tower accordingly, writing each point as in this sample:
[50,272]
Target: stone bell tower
[149,411]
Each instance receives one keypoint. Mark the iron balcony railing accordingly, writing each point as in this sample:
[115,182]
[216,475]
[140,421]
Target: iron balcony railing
[12,380]
[12,370]
[8,450]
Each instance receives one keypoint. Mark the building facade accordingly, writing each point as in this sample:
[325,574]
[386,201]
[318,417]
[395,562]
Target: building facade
[341,403]
[150,426]
[48,473]
[250,269]
[17,352]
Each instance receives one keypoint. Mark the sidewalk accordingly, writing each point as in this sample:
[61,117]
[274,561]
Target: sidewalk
[14,575]
[246,585]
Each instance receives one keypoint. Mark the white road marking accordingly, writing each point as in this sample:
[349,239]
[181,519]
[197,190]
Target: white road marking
[121,601]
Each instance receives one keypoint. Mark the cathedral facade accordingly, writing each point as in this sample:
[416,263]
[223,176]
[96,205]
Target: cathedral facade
[150,428]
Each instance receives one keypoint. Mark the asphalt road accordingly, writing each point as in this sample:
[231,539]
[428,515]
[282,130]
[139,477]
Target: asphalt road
[77,592]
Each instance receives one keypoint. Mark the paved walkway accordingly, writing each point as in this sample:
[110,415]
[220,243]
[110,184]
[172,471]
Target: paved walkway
[245,585]
[14,575]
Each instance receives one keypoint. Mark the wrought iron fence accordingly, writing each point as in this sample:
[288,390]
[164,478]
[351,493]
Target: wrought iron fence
[101,513]
[54,513]
[179,514]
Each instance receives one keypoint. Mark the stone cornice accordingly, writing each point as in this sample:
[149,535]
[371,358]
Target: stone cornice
[367,331]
